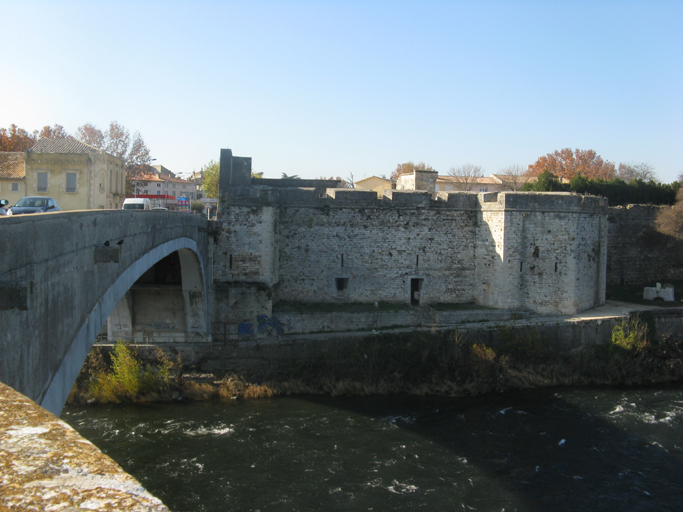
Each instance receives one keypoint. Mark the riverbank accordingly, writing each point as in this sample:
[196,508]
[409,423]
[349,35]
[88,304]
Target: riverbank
[453,362]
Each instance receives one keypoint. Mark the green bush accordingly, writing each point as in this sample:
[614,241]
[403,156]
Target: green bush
[128,380]
[631,336]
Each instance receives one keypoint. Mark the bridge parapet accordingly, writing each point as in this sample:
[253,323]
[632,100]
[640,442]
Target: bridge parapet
[54,468]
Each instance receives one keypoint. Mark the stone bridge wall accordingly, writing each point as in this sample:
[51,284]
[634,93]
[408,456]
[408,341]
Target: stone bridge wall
[59,283]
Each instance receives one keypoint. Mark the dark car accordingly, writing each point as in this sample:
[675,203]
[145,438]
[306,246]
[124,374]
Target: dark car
[35,204]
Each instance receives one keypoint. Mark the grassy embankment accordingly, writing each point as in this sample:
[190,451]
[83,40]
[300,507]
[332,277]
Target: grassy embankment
[412,363]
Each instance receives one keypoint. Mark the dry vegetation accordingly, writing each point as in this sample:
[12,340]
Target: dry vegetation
[414,364]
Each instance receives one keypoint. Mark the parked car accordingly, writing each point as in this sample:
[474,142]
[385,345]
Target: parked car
[35,204]
[136,203]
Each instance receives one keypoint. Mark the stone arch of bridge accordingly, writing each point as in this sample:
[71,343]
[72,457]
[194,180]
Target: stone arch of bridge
[194,288]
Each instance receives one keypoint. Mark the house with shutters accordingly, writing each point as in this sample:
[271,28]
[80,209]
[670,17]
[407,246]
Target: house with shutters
[76,175]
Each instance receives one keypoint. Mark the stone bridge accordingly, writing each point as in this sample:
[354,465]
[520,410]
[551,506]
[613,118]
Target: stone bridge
[63,274]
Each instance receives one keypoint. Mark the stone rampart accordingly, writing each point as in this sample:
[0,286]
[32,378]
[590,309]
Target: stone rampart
[637,253]
[541,252]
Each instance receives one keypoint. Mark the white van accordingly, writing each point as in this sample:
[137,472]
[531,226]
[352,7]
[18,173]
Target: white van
[137,203]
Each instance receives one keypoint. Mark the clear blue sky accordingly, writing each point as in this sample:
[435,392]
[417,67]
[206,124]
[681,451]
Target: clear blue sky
[325,88]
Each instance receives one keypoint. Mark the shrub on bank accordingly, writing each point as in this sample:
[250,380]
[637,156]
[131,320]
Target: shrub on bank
[130,380]
[122,377]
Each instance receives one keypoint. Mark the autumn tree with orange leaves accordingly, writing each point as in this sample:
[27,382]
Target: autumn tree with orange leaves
[17,139]
[568,164]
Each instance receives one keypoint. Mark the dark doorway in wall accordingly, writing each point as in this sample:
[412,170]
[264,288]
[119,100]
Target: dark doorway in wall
[415,290]
[342,285]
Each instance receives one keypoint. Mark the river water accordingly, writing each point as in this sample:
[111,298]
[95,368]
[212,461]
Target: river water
[559,449]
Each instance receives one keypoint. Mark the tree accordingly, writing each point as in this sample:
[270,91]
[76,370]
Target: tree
[117,140]
[211,174]
[408,168]
[467,175]
[630,172]
[55,132]
[617,191]
[546,182]
[91,136]
[566,164]
[139,153]
[197,207]
[514,177]
[17,139]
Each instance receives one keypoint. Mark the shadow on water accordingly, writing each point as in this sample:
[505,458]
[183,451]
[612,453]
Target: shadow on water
[549,452]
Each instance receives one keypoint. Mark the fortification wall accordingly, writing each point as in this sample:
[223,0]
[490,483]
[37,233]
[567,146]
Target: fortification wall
[372,253]
[637,253]
[248,246]
[245,263]
[542,252]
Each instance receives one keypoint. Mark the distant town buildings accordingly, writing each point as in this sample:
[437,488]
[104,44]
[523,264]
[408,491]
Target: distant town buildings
[491,183]
[163,187]
[82,177]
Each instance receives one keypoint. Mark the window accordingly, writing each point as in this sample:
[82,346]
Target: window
[42,182]
[158,192]
[71,181]
[15,187]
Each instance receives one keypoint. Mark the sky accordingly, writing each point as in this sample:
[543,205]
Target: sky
[353,88]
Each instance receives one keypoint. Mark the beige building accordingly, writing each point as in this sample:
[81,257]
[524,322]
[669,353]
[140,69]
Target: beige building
[77,176]
[379,185]
[12,176]
[480,184]
[492,183]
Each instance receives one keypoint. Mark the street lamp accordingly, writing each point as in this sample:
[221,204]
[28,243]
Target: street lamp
[136,176]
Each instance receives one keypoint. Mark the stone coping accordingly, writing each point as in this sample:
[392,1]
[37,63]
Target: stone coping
[46,465]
